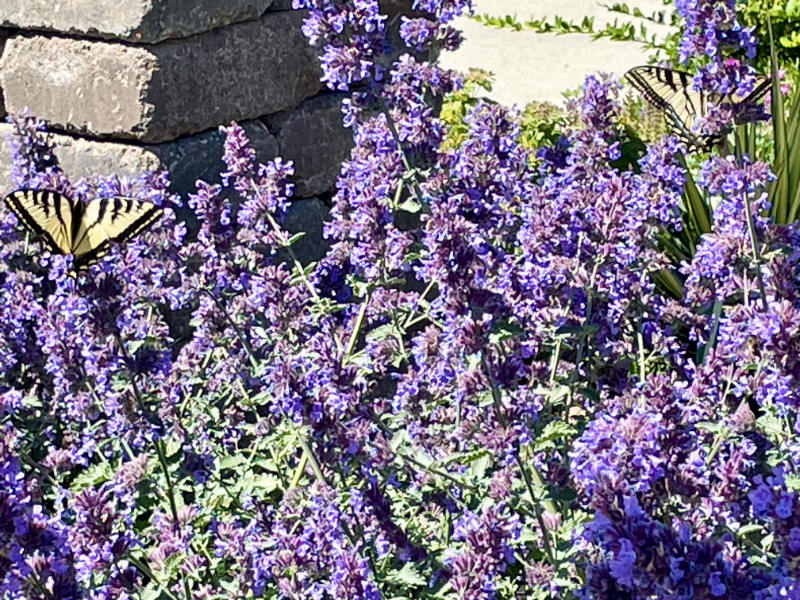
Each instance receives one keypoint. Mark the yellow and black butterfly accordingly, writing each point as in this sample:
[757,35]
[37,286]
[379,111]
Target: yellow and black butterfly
[85,230]
[672,91]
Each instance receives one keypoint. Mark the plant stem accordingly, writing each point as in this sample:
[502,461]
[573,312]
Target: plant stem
[526,475]
[439,473]
[362,311]
[409,170]
[159,447]
[297,264]
[751,228]
[410,318]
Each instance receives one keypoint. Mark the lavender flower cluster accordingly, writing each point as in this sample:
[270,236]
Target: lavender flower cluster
[714,41]
[484,391]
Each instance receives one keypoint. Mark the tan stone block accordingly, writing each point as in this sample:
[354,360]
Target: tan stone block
[160,92]
[145,21]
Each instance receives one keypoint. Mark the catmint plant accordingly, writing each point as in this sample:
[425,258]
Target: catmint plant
[483,391]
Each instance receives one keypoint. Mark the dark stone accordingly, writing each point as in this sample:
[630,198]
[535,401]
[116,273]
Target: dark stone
[306,215]
[187,159]
[313,137]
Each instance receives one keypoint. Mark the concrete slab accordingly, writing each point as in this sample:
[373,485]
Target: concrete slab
[532,66]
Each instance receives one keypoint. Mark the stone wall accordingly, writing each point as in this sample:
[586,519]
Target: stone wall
[145,84]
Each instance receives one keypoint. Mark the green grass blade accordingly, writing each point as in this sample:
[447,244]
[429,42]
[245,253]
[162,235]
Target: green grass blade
[698,212]
[786,186]
[778,113]
[793,143]
[779,190]
[794,205]
[669,282]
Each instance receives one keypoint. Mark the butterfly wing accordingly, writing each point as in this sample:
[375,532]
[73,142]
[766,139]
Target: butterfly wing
[107,221]
[760,90]
[672,92]
[47,214]
[748,108]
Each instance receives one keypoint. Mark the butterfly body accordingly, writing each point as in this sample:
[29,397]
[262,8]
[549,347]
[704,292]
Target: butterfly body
[84,230]
[672,91]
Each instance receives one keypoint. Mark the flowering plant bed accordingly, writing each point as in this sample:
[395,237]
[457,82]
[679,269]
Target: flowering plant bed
[523,370]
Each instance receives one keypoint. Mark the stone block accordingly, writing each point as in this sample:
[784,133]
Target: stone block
[306,215]
[143,21]
[393,8]
[3,37]
[313,137]
[281,5]
[187,159]
[160,92]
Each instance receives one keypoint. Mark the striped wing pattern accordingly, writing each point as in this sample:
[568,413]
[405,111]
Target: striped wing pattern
[107,221]
[86,231]
[46,214]
[672,92]
[762,89]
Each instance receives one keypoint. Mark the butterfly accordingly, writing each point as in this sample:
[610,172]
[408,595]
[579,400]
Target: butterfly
[84,230]
[673,92]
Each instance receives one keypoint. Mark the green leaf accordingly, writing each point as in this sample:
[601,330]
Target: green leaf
[767,541]
[746,530]
[92,476]
[134,345]
[172,448]
[295,238]
[150,594]
[267,483]
[553,432]
[505,331]
[716,314]
[770,425]
[399,439]
[669,282]
[231,462]
[720,429]
[793,160]
[792,482]
[410,205]
[409,575]
[465,458]
[479,466]
[381,332]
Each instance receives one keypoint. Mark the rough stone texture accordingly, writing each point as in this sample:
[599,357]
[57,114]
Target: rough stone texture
[146,21]
[308,216]
[392,8]
[160,92]
[312,135]
[281,5]
[187,159]
[3,37]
